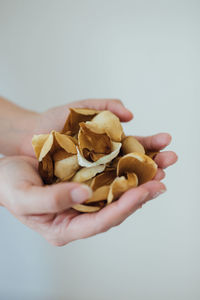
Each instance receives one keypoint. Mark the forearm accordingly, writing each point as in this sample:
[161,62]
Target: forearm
[16,124]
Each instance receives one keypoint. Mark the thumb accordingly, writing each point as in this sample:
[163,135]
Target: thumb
[51,199]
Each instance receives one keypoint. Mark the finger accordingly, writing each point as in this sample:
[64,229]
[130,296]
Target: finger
[114,105]
[114,213]
[165,159]
[155,142]
[49,199]
[159,175]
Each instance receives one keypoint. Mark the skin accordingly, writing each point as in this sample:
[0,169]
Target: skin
[47,209]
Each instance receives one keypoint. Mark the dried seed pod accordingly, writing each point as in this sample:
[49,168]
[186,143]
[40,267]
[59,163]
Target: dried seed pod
[103,160]
[48,144]
[86,208]
[99,195]
[76,116]
[55,147]
[66,168]
[85,174]
[104,178]
[107,122]
[120,185]
[93,145]
[46,169]
[131,144]
[44,144]
[140,164]
[38,142]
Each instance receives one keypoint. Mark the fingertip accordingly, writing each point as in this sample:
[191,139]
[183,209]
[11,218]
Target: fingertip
[129,115]
[165,159]
[175,157]
[121,111]
[159,175]
[80,193]
[163,138]
[155,188]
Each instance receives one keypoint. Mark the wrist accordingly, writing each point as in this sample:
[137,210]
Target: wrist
[3,162]
[16,125]
[28,124]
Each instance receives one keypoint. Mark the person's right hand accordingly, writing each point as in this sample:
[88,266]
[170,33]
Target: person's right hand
[47,209]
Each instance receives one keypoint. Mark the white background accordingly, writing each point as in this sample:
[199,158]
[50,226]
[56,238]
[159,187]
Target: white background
[147,54]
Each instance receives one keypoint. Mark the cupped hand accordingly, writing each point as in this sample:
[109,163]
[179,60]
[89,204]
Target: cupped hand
[47,209]
[54,119]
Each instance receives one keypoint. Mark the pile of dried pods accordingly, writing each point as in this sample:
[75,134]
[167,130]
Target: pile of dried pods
[93,149]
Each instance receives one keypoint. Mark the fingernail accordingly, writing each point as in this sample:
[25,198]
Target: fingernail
[81,193]
[158,193]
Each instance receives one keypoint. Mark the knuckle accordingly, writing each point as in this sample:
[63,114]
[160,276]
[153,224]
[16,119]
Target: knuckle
[118,223]
[118,101]
[54,202]
[16,208]
[102,228]
[57,243]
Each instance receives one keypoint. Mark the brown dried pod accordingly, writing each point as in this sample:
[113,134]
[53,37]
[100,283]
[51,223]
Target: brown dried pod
[99,195]
[38,142]
[140,164]
[85,174]
[45,169]
[59,148]
[120,185]
[104,178]
[108,123]
[107,158]
[131,144]
[86,208]
[66,168]
[93,145]
[76,116]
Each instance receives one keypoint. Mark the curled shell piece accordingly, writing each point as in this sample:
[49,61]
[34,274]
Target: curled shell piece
[104,178]
[86,208]
[65,142]
[48,144]
[107,122]
[103,160]
[38,142]
[120,185]
[76,116]
[140,164]
[85,174]
[99,195]
[53,148]
[131,144]
[66,168]
[93,145]
[46,169]
[43,144]
[60,155]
